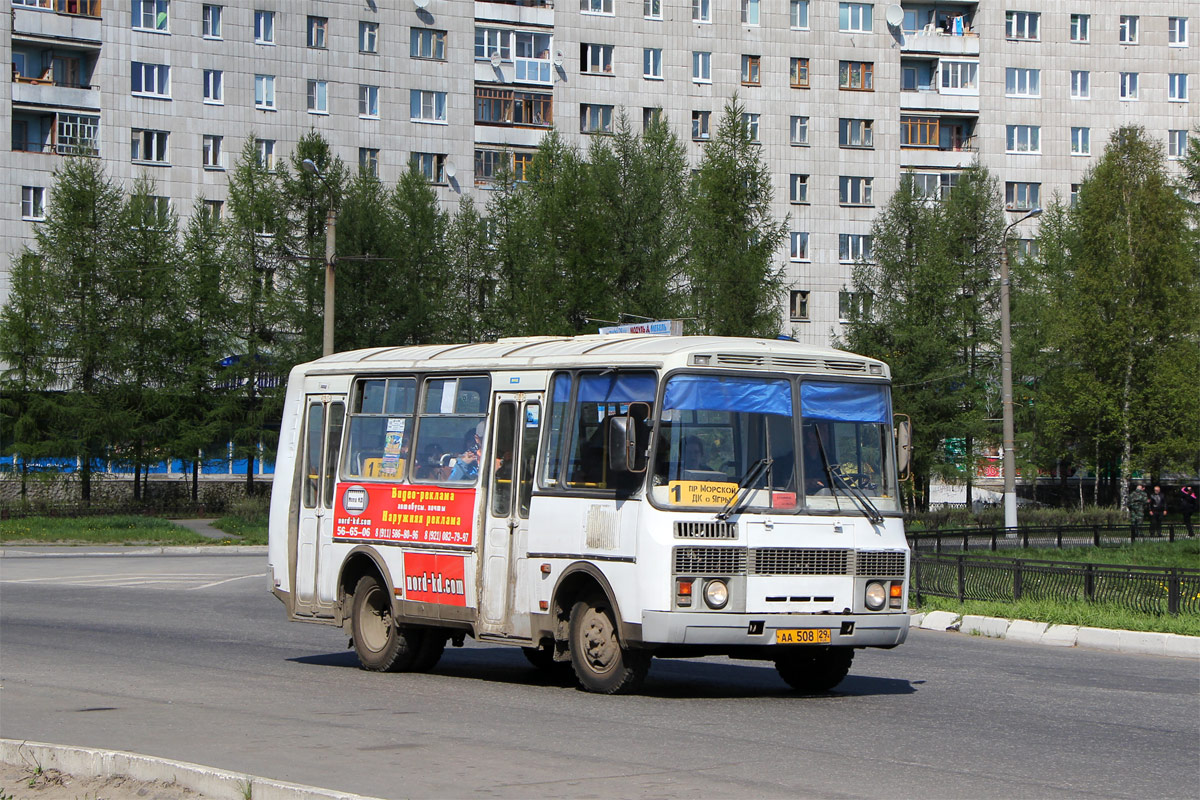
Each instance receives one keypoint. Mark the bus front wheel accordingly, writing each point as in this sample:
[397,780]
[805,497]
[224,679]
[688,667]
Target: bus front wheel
[381,645]
[814,670]
[600,663]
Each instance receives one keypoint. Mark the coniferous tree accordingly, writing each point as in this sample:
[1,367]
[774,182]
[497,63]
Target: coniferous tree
[514,246]
[418,277]
[365,285]
[471,278]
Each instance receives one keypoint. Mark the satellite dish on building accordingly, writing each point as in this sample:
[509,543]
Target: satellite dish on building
[495,59]
[894,16]
[449,169]
[421,3]
[558,58]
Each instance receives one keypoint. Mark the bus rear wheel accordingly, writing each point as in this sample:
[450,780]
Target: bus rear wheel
[815,670]
[601,664]
[381,645]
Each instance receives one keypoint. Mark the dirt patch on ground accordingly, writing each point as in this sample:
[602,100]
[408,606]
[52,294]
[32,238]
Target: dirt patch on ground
[21,782]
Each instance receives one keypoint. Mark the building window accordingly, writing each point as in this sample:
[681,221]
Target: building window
[596,6]
[77,133]
[799,131]
[596,58]
[1081,84]
[854,247]
[493,41]
[798,189]
[1022,25]
[1177,144]
[1129,86]
[798,305]
[150,15]
[750,121]
[264,27]
[495,106]
[368,102]
[318,97]
[156,211]
[799,246]
[1022,196]
[1127,32]
[431,165]
[595,118]
[213,210]
[264,91]
[701,10]
[932,185]
[489,162]
[1027,248]
[1023,139]
[1023,82]
[33,202]
[148,146]
[799,15]
[959,76]
[799,73]
[751,71]
[151,80]
[210,21]
[701,67]
[266,153]
[1081,141]
[214,82]
[854,17]
[211,150]
[1074,197]
[700,121]
[856,133]
[854,305]
[651,115]
[1177,31]
[750,12]
[854,191]
[652,63]
[368,37]
[427,43]
[652,9]
[920,131]
[1080,27]
[1177,86]
[856,76]
[426,106]
[368,160]
[317,28]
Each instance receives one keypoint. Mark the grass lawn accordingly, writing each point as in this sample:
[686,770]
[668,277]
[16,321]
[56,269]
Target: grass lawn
[1184,554]
[126,530]
[252,530]
[1068,613]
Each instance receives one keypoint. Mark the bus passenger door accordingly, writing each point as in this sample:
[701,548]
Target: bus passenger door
[505,605]
[323,421]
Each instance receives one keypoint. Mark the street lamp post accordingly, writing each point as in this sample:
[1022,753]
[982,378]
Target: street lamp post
[1010,469]
[330,239]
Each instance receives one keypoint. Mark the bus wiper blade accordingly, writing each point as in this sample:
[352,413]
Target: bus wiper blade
[745,483]
[835,476]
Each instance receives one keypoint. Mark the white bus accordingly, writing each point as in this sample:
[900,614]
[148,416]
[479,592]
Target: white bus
[597,501]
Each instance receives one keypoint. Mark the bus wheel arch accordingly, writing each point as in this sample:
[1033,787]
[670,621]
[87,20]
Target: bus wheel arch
[359,562]
[582,579]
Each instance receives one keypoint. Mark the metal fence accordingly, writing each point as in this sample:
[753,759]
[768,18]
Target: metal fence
[966,539]
[1152,590]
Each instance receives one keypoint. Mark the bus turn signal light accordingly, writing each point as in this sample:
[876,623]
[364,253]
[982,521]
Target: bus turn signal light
[683,593]
[896,589]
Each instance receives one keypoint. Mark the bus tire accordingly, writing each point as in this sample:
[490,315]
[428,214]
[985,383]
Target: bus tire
[381,644]
[433,644]
[815,670]
[599,661]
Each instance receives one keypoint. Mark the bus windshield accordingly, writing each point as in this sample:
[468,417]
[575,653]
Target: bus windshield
[715,431]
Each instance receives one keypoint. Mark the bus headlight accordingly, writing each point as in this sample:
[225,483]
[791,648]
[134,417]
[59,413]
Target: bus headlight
[716,594]
[876,595]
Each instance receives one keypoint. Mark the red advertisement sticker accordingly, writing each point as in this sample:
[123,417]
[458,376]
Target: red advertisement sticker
[435,578]
[408,513]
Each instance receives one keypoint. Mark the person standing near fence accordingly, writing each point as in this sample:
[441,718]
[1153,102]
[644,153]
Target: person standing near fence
[1137,509]
[1187,506]
[1158,510]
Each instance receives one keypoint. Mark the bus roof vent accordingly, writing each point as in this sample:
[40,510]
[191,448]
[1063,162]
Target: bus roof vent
[796,362]
[845,365]
[740,359]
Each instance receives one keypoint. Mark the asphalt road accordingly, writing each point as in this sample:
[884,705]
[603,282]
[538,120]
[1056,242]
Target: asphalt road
[189,657]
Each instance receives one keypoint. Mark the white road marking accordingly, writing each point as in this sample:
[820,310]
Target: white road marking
[227,580]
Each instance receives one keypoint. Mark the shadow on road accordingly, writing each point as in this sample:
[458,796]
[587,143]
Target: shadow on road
[668,679]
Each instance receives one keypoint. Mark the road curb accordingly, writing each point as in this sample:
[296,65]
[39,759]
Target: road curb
[1148,643]
[217,784]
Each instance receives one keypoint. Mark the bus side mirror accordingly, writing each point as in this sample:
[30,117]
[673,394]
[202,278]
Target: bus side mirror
[903,426]
[627,440]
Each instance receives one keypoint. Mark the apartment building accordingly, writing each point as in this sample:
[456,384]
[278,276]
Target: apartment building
[844,97]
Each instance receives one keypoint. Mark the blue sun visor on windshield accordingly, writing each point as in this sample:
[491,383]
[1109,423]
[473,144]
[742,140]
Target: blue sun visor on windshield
[610,387]
[845,402]
[716,393]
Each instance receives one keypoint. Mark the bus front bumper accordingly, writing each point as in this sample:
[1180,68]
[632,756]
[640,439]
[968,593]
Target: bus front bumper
[757,630]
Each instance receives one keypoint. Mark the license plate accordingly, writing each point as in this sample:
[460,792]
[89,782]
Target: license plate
[803,636]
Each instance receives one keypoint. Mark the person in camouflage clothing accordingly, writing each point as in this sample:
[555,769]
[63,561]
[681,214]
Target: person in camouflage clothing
[1137,509]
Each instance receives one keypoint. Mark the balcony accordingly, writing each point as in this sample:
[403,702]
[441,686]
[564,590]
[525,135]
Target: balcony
[519,12]
[943,142]
[937,85]
[61,132]
[53,76]
[48,94]
[77,20]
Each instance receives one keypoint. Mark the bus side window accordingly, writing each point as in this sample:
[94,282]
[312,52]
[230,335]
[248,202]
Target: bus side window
[598,398]
[312,455]
[560,399]
[337,414]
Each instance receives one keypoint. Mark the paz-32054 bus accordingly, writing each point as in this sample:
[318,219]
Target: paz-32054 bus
[597,501]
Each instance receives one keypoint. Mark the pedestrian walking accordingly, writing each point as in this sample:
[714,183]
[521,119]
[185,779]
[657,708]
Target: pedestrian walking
[1187,506]
[1137,509]
[1158,510]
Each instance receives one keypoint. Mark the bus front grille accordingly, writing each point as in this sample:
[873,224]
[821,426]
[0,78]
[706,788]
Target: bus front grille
[710,561]
[800,561]
[880,564]
[713,529]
